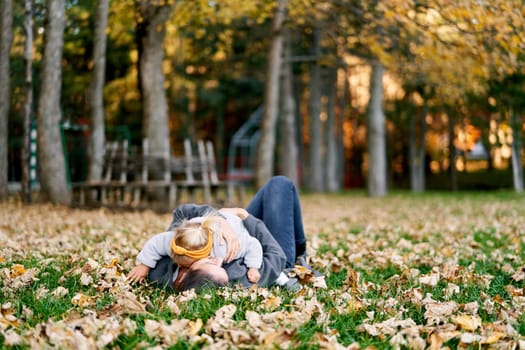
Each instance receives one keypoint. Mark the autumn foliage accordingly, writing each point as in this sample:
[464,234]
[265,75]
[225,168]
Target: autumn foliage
[399,272]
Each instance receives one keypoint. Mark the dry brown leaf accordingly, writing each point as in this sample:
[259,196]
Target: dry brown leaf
[167,333]
[469,338]
[12,338]
[90,265]
[82,300]
[438,313]
[271,303]
[430,279]
[319,282]
[127,303]
[303,274]
[60,292]
[85,279]
[519,275]
[352,280]
[254,319]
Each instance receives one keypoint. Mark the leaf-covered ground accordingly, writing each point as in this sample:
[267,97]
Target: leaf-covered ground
[432,271]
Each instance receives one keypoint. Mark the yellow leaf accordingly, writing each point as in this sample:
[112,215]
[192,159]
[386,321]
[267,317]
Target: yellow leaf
[7,319]
[82,300]
[17,270]
[468,323]
[354,305]
[271,303]
[493,338]
[195,327]
[113,263]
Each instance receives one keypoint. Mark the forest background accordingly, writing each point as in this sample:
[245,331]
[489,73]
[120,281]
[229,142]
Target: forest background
[379,94]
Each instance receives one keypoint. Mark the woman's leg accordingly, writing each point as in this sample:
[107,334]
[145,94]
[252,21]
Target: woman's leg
[277,205]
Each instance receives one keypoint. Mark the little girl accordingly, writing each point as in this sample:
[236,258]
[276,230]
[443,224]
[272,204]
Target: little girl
[193,240]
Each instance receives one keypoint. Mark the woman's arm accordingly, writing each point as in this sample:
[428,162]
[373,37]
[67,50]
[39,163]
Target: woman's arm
[274,259]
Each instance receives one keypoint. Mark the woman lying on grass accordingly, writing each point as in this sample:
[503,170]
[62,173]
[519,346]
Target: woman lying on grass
[273,217]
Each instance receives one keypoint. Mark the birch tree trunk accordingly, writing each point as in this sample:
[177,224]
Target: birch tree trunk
[377,171]
[51,156]
[6,39]
[517,165]
[155,119]
[288,130]
[97,140]
[315,182]
[298,93]
[28,105]
[332,159]
[266,147]
[417,152]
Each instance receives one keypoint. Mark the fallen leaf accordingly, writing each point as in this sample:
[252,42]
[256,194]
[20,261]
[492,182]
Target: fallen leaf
[492,338]
[17,270]
[467,322]
[60,292]
[82,300]
[195,326]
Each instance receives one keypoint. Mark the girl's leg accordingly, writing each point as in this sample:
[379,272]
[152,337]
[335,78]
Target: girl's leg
[277,205]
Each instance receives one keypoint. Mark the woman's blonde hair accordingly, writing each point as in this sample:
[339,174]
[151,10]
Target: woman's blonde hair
[193,239]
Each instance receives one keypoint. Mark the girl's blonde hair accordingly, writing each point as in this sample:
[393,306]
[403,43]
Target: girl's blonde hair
[194,240]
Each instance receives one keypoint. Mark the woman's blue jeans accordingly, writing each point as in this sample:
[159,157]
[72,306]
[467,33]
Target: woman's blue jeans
[277,205]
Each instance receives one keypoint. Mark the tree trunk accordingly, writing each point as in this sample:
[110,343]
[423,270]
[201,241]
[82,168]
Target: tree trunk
[97,141]
[288,158]
[315,169]
[452,154]
[332,159]
[417,152]
[155,117]
[6,39]
[297,91]
[343,100]
[266,148]
[51,156]
[517,165]
[377,176]
[28,105]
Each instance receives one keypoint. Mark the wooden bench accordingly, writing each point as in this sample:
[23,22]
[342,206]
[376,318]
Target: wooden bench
[114,177]
[161,185]
[228,185]
[134,179]
[201,174]
[193,176]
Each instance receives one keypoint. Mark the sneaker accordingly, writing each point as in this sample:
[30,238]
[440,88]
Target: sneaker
[301,260]
[293,285]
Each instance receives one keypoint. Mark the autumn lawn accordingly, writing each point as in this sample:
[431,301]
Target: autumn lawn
[404,271]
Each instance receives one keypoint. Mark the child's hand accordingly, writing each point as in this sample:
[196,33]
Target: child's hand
[253,275]
[240,212]
[138,273]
